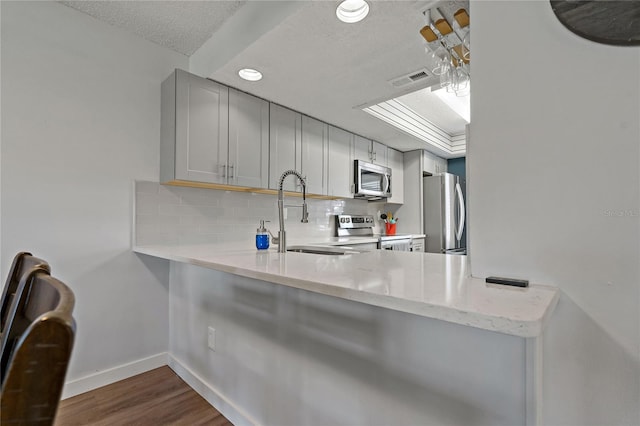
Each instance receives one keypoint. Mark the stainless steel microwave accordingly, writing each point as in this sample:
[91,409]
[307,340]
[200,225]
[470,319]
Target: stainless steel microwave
[371,181]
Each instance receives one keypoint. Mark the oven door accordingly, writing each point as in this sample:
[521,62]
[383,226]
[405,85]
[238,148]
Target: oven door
[396,245]
[371,181]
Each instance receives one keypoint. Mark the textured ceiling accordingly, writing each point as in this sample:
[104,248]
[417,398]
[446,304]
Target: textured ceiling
[327,69]
[182,26]
[311,62]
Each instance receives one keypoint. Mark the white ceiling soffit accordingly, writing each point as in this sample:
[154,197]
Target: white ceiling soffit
[182,26]
[398,114]
[424,115]
[243,28]
[430,103]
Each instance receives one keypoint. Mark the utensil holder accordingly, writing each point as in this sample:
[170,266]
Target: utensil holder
[390,228]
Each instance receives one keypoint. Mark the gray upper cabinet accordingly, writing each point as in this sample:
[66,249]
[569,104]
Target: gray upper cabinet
[218,135]
[195,131]
[340,163]
[248,140]
[379,153]
[285,145]
[298,143]
[370,151]
[314,154]
[432,164]
[362,148]
[396,164]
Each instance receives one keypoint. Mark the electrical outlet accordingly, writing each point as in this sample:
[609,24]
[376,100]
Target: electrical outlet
[212,338]
[284,213]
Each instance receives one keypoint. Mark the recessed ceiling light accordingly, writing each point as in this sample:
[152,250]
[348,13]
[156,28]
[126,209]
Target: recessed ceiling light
[250,74]
[351,11]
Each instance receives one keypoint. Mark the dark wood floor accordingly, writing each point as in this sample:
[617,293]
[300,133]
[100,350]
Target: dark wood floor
[157,397]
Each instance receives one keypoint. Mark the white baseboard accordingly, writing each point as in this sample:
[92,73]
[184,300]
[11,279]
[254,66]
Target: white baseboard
[231,411]
[112,375]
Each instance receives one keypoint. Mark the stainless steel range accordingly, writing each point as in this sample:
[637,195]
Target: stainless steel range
[348,225]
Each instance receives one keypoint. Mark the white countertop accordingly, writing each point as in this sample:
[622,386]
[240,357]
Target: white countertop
[427,284]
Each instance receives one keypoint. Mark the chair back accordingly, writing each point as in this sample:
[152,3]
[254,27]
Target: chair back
[36,348]
[23,262]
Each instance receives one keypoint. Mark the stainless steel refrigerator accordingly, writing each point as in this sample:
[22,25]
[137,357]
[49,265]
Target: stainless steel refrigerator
[444,213]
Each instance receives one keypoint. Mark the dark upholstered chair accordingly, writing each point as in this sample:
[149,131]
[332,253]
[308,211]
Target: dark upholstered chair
[23,262]
[36,347]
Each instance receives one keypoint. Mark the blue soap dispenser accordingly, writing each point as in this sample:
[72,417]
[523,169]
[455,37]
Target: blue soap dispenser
[262,237]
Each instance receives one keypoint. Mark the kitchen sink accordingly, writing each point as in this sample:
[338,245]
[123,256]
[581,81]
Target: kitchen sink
[331,251]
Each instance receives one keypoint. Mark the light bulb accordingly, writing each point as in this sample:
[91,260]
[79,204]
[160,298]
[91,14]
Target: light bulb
[351,11]
[250,74]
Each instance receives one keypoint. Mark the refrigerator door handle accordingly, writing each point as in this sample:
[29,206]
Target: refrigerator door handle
[461,213]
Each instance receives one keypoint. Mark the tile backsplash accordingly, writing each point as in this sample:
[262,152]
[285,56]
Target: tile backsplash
[171,215]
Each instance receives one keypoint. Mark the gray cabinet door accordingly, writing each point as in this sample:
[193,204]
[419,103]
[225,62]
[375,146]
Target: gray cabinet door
[285,149]
[432,164]
[314,155]
[339,163]
[396,164]
[202,131]
[248,140]
[370,151]
[362,148]
[379,153]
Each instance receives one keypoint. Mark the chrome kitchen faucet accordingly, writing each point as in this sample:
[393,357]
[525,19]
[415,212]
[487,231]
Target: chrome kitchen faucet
[281,240]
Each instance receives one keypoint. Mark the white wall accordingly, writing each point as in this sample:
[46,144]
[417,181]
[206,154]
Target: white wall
[80,121]
[172,215]
[554,190]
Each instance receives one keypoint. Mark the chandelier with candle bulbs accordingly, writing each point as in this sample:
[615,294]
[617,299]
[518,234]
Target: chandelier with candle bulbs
[449,49]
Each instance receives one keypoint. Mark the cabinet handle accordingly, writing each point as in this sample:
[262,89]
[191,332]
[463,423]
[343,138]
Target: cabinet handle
[224,170]
[231,171]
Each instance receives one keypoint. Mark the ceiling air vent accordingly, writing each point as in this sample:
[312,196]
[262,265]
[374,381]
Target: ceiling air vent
[411,78]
